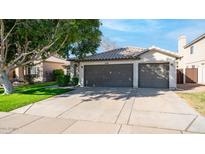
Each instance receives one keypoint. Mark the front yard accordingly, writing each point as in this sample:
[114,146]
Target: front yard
[28,94]
[196,100]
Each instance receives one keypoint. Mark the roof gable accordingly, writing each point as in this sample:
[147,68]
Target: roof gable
[163,51]
[56,60]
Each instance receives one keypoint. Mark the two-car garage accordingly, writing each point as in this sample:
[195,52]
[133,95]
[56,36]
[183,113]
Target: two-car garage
[128,67]
[150,75]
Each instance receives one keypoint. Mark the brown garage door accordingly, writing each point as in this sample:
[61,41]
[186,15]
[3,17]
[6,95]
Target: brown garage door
[191,75]
[154,75]
[115,75]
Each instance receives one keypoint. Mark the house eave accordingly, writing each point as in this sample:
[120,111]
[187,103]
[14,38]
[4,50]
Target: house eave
[195,41]
[115,59]
[166,52]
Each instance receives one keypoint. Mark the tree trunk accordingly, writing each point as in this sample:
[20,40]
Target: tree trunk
[6,83]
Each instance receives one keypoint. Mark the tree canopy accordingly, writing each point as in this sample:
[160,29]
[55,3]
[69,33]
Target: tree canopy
[24,41]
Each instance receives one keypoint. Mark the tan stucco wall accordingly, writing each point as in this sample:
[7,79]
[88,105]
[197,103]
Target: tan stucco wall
[48,68]
[11,75]
[150,57]
[19,72]
[45,69]
[197,59]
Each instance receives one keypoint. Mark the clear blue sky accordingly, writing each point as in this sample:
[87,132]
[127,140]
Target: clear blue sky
[145,33]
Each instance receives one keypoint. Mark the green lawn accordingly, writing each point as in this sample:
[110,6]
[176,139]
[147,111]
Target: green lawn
[28,94]
[197,100]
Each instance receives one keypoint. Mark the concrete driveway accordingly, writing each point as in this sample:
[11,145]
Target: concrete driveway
[106,110]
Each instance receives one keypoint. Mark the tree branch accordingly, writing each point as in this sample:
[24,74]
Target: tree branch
[7,35]
[63,42]
[6,52]
[4,46]
[37,54]
[56,29]
[2,29]
[2,38]
[22,56]
[32,60]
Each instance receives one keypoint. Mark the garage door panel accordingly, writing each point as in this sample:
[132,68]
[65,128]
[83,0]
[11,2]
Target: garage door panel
[115,75]
[154,75]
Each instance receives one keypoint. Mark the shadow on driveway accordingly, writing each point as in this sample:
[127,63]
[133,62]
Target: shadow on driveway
[95,94]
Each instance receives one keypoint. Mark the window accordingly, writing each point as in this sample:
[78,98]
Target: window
[34,70]
[192,50]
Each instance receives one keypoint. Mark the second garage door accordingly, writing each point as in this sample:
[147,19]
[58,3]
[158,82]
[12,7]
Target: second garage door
[154,75]
[115,75]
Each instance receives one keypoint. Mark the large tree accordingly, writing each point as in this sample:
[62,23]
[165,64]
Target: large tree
[24,42]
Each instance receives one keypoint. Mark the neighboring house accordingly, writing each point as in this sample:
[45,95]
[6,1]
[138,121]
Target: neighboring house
[192,63]
[127,67]
[42,72]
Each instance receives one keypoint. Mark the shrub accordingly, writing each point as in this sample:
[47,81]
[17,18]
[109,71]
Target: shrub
[57,73]
[75,81]
[30,78]
[63,80]
[67,79]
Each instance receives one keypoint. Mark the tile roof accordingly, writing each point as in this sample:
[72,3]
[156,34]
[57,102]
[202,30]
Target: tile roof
[120,53]
[124,53]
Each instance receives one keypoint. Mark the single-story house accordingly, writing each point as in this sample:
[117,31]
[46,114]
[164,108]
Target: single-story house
[42,71]
[127,67]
